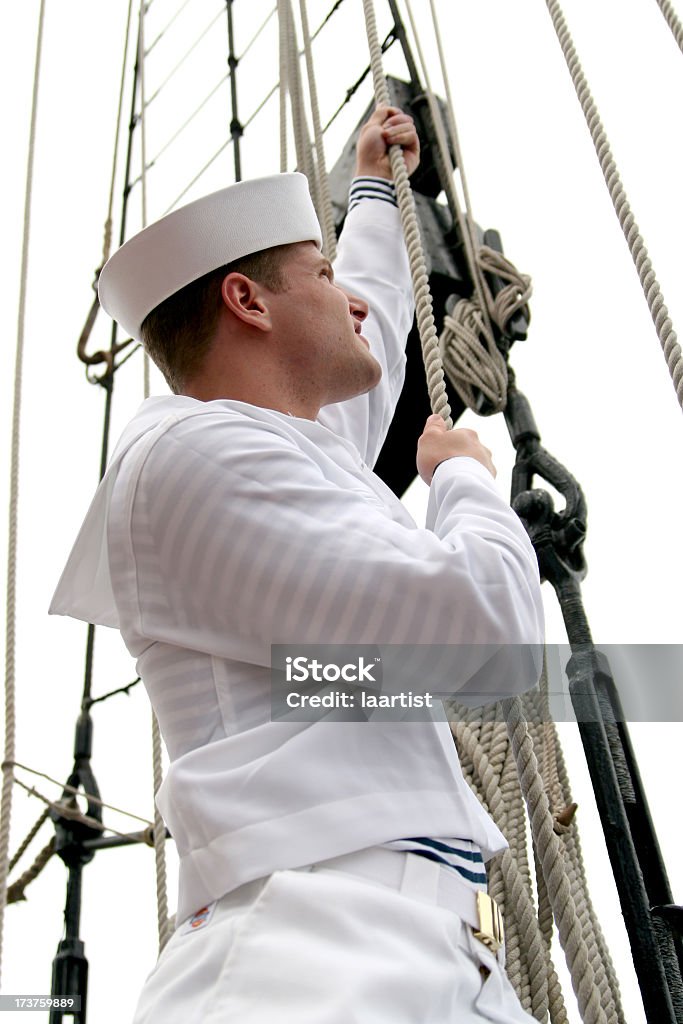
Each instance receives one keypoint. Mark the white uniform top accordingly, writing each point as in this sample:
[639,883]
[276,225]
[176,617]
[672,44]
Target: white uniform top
[221,528]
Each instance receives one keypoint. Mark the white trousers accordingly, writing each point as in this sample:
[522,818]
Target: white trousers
[321,946]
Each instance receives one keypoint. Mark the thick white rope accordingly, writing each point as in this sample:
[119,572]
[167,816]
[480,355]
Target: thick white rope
[421,286]
[467,343]
[490,770]
[436,385]
[10,630]
[648,280]
[143,157]
[542,821]
[325,199]
[560,785]
[159,831]
[465,219]
[672,20]
[163,922]
[540,984]
[556,782]
[302,142]
[424,312]
[283,47]
[549,851]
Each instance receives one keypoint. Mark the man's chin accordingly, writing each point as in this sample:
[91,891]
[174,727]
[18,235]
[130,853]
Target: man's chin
[366,379]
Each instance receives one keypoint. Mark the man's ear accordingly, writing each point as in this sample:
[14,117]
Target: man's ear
[245,300]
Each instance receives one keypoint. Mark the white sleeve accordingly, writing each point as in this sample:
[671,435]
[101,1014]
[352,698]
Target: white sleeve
[235,540]
[372,263]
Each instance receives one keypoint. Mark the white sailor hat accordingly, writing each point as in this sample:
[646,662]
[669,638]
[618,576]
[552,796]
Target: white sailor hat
[190,242]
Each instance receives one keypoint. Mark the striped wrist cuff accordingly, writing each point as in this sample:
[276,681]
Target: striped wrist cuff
[372,188]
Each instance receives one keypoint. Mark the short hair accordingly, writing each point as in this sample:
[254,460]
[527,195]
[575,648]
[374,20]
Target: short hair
[179,332]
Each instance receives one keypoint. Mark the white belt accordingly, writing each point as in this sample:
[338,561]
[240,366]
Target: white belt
[428,881]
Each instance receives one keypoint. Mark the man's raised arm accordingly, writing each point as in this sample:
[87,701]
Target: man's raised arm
[372,262]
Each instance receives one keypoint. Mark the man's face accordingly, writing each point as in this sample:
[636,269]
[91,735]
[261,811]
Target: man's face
[317,327]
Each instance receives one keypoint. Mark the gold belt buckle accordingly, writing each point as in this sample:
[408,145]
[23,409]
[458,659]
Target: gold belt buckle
[491,931]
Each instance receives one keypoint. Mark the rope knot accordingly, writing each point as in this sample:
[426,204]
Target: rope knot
[471,357]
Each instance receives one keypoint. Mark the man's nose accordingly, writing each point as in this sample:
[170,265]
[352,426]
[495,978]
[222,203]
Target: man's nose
[358,307]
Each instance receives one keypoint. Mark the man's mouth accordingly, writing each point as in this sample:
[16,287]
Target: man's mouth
[357,328]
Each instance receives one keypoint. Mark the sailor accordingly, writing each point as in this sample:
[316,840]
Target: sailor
[331,871]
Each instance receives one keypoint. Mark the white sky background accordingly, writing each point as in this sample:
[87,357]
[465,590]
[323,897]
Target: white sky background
[592,366]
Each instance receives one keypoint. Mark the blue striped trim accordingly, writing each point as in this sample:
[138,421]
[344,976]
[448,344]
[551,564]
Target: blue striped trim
[436,845]
[357,199]
[376,188]
[472,876]
[444,852]
[372,188]
[385,183]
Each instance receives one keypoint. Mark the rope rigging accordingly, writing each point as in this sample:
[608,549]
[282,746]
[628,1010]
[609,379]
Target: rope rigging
[561,895]
[13,532]
[159,829]
[672,20]
[576,938]
[166,27]
[470,342]
[542,826]
[436,385]
[176,67]
[107,357]
[653,294]
[257,110]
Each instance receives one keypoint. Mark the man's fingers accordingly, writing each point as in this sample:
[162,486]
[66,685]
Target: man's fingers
[398,118]
[387,126]
[404,130]
[435,421]
[380,114]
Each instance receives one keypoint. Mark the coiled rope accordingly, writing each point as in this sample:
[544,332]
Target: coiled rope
[636,245]
[10,631]
[467,343]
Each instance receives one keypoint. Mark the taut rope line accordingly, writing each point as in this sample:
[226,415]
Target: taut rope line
[436,385]
[10,633]
[164,929]
[282,52]
[327,218]
[636,245]
[672,21]
[467,344]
